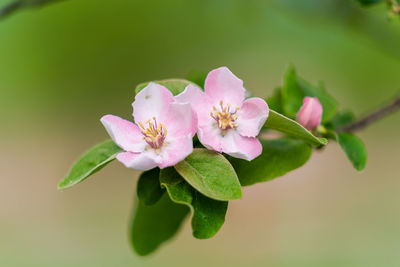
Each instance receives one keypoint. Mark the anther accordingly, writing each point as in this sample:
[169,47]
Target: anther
[154,134]
[225,119]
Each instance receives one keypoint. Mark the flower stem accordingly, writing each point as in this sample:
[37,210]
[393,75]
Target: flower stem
[372,117]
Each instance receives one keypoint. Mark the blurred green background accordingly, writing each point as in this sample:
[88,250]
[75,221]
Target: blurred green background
[65,65]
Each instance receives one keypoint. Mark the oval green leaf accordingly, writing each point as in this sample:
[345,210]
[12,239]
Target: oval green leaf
[354,149]
[153,225]
[208,215]
[176,86]
[90,162]
[279,157]
[148,188]
[211,174]
[277,121]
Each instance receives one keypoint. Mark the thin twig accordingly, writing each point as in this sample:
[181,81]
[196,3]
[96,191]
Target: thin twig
[17,5]
[372,117]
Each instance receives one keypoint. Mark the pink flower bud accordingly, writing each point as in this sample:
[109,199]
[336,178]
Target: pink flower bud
[310,113]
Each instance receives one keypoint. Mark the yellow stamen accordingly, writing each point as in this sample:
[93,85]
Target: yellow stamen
[154,134]
[225,118]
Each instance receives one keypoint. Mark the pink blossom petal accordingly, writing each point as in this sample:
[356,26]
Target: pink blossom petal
[124,133]
[252,116]
[199,101]
[192,94]
[310,113]
[241,147]
[176,150]
[138,161]
[180,120]
[222,84]
[210,136]
[152,101]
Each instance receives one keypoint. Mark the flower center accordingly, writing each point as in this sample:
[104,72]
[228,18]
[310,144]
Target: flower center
[154,134]
[225,117]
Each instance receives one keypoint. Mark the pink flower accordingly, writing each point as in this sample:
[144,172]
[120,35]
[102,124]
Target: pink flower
[226,122]
[310,113]
[161,135]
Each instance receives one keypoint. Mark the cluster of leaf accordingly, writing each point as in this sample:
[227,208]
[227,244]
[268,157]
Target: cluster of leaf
[204,182]
[288,99]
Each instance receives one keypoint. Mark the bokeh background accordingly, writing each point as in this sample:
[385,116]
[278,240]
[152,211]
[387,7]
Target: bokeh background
[65,65]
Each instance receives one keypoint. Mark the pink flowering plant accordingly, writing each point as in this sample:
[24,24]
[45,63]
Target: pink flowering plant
[198,146]
[162,135]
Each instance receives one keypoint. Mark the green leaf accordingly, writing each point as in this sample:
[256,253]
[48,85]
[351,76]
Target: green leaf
[208,215]
[148,189]
[354,149]
[176,86]
[288,126]
[275,101]
[279,157]
[211,174]
[153,225]
[292,93]
[295,89]
[90,162]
